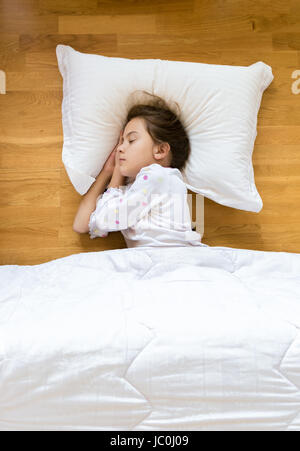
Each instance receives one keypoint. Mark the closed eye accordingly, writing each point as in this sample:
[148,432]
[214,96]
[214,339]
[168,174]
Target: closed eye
[132,141]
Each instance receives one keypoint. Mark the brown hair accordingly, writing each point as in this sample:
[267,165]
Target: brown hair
[163,125]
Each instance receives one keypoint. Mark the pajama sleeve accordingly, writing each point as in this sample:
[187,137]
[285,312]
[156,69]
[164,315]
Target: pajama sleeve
[118,210]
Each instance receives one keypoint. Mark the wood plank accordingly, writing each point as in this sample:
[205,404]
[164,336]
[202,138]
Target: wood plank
[41,80]
[285,134]
[36,255]
[198,47]
[105,24]
[236,8]
[106,7]
[87,43]
[286,40]
[17,155]
[260,237]
[264,16]
[29,188]
[30,115]
[10,56]
[57,7]
[278,60]
[192,21]
[29,24]
[22,227]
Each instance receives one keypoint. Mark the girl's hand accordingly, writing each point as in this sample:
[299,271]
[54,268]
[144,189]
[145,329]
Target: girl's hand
[111,161]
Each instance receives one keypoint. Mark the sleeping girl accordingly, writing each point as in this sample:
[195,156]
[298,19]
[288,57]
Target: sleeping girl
[146,197]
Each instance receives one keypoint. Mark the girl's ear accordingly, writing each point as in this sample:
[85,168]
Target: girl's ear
[165,147]
[162,150]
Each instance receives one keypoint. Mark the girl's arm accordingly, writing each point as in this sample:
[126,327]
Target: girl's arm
[88,203]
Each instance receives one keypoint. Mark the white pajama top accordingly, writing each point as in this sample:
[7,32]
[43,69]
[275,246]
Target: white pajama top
[151,211]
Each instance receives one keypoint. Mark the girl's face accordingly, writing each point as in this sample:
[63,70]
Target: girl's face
[138,150]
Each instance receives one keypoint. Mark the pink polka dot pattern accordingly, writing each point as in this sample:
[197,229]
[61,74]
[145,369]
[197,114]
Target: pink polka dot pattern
[117,222]
[121,200]
[145,177]
[144,203]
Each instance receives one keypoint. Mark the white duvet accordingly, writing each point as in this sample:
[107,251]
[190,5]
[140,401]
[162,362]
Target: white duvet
[177,339]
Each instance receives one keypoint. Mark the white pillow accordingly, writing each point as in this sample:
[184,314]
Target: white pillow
[219,106]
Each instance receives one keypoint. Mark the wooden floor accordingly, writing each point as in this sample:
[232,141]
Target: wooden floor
[38,202]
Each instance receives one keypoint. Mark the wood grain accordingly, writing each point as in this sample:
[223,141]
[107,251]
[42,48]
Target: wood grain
[38,202]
